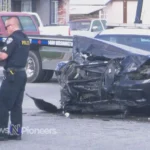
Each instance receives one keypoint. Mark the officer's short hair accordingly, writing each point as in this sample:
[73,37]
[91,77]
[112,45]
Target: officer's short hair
[12,17]
[15,18]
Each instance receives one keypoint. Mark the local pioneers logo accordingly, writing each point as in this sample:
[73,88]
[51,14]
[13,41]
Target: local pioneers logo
[28,130]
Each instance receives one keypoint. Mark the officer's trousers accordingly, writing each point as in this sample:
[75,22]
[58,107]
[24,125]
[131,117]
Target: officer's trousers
[11,98]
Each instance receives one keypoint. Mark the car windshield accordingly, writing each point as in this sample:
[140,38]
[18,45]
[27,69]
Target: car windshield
[26,23]
[80,25]
[137,41]
[36,20]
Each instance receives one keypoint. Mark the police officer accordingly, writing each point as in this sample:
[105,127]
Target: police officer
[14,54]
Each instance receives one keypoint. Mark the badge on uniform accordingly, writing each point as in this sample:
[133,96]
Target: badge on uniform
[9,40]
[4,48]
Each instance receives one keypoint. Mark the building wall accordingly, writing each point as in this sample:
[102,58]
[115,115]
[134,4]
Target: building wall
[114,11]
[63,11]
[43,9]
[131,13]
[15,5]
[145,17]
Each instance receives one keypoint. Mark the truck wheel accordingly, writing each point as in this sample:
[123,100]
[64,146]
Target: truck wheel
[34,67]
[48,75]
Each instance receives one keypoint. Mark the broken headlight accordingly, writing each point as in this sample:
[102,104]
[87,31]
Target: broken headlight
[142,73]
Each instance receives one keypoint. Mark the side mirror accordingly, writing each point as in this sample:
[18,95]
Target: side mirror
[94,28]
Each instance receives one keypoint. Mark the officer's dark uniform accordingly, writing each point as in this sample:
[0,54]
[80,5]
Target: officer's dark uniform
[13,86]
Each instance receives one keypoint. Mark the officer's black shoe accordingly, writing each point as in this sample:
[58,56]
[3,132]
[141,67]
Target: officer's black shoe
[14,137]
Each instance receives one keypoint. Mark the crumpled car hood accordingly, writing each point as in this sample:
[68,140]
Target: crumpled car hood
[101,73]
[104,76]
[108,50]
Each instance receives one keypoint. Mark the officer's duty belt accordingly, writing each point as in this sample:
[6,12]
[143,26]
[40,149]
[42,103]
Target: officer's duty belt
[15,69]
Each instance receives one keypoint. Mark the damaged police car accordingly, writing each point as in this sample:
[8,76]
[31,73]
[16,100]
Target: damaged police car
[102,76]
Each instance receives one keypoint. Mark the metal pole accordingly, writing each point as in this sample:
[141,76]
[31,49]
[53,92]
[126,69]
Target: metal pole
[139,12]
[124,11]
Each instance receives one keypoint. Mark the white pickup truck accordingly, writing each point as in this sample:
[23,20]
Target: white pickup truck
[63,30]
[83,27]
[87,27]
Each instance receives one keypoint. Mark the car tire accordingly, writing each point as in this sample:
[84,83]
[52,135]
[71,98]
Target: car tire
[48,74]
[34,67]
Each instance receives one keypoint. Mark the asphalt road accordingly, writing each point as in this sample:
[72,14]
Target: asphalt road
[44,131]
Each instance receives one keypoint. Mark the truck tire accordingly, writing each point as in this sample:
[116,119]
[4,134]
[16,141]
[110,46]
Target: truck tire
[34,67]
[48,75]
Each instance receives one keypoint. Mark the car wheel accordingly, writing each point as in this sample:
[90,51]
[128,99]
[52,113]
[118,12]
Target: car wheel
[48,74]
[34,67]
